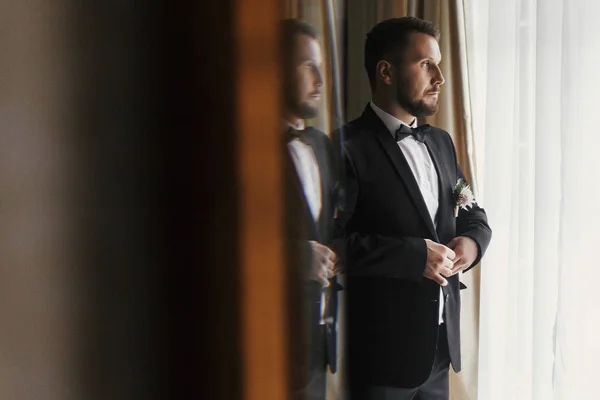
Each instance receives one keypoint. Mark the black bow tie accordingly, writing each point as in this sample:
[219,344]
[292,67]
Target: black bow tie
[293,133]
[418,133]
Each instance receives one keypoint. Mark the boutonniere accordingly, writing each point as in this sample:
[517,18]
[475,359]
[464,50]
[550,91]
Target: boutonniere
[463,196]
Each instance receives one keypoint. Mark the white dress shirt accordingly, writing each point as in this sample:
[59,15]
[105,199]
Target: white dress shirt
[307,168]
[422,167]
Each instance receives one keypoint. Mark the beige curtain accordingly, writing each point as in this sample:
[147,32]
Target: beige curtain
[361,17]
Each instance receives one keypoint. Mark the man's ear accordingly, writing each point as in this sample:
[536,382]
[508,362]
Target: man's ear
[383,71]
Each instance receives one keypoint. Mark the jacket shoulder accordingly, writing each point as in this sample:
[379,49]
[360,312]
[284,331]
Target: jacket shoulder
[442,137]
[351,133]
[316,134]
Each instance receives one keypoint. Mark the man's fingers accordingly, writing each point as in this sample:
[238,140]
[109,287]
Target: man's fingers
[332,256]
[336,269]
[452,244]
[324,274]
[327,252]
[321,276]
[322,250]
[450,254]
[448,263]
[436,277]
[329,267]
[460,253]
[459,268]
[457,263]
[447,252]
[441,249]
[441,280]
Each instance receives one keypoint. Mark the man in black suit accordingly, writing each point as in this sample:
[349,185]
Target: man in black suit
[310,189]
[406,247]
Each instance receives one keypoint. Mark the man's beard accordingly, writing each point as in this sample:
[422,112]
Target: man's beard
[302,109]
[306,111]
[417,108]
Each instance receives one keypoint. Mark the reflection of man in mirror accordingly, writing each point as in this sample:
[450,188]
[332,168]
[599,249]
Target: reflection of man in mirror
[310,182]
[407,239]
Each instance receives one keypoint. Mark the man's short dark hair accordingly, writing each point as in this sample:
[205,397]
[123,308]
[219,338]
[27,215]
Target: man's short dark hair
[289,28]
[389,40]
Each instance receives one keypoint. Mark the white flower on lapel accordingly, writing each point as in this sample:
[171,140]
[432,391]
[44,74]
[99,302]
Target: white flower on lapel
[463,196]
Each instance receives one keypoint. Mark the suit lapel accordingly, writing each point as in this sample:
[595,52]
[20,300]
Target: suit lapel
[403,169]
[400,164]
[445,210]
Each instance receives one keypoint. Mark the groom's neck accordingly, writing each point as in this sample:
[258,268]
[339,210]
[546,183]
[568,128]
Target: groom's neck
[393,108]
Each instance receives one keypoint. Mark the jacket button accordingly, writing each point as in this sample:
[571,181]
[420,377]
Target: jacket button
[433,301]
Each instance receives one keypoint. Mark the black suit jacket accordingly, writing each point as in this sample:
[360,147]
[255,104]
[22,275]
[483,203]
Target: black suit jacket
[392,309]
[319,347]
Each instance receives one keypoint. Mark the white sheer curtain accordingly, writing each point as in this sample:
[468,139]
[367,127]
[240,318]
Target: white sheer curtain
[535,86]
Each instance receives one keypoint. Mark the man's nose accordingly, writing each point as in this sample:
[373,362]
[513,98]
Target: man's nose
[318,76]
[438,78]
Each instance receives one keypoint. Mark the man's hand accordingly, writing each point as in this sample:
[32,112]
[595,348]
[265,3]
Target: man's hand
[466,252]
[323,263]
[439,262]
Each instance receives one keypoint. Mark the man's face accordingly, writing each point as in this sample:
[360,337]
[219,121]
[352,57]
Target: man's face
[303,97]
[419,76]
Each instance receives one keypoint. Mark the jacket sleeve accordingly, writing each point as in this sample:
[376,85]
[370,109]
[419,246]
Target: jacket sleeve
[473,223]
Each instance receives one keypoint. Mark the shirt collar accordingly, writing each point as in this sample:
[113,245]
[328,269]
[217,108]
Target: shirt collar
[391,123]
[300,127]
